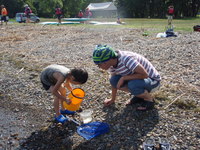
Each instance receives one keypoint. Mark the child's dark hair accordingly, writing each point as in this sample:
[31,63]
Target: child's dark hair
[79,75]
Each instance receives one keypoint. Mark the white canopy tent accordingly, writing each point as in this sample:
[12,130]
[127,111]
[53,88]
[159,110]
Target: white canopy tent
[107,9]
[102,6]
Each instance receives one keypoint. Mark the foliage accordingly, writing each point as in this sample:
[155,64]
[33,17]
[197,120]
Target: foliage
[13,6]
[157,8]
[47,8]
[126,8]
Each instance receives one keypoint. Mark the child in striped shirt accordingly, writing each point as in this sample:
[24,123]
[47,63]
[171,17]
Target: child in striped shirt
[130,72]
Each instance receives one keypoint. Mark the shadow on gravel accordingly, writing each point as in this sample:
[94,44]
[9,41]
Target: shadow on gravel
[127,129]
[53,137]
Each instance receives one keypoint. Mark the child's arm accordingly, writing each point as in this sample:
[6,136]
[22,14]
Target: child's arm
[54,89]
[68,85]
[108,102]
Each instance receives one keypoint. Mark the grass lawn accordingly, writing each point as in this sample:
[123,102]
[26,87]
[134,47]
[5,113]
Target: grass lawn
[160,25]
[148,25]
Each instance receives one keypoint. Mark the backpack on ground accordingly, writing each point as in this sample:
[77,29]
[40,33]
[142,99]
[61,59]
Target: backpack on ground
[197,28]
[170,33]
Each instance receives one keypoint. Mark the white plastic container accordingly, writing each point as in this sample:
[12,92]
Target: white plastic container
[86,115]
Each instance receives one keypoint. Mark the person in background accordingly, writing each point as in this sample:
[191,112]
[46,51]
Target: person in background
[4,14]
[170,13]
[58,12]
[80,14]
[130,72]
[88,13]
[57,79]
[27,12]
[119,21]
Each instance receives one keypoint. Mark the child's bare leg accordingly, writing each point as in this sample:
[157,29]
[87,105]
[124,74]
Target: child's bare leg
[56,103]
[62,91]
[56,106]
[146,96]
[148,100]
[125,89]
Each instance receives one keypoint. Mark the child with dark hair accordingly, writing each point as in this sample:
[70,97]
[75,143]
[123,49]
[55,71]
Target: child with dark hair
[56,78]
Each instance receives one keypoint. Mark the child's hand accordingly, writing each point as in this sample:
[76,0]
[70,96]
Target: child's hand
[68,101]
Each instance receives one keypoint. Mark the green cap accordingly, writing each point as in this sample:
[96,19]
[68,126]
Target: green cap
[103,53]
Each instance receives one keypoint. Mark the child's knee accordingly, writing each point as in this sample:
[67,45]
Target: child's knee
[135,87]
[114,80]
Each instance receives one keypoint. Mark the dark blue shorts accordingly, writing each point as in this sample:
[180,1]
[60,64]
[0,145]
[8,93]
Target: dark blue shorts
[3,18]
[59,16]
[46,87]
[136,87]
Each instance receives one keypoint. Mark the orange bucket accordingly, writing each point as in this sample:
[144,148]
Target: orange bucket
[76,96]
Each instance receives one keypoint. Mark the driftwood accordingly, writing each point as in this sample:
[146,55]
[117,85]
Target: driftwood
[174,100]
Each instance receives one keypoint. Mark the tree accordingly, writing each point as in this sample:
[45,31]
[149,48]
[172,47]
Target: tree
[157,8]
[47,7]
[126,8]
[13,6]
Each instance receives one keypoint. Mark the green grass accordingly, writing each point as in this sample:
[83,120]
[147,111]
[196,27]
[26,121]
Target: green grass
[148,25]
[157,25]
[160,25]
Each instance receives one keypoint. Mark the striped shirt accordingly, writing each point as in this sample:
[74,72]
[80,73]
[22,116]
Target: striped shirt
[128,61]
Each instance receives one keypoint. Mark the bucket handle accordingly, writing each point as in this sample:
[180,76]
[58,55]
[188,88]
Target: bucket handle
[77,96]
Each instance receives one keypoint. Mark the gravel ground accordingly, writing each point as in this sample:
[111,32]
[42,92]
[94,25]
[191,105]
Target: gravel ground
[26,114]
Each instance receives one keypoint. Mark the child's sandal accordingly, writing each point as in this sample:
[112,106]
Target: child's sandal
[135,100]
[61,119]
[146,105]
[67,112]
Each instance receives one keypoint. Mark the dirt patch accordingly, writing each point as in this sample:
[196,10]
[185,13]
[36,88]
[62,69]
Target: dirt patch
[26,110]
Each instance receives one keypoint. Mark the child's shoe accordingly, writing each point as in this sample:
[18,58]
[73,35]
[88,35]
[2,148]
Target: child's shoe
[61,119]
[67,112]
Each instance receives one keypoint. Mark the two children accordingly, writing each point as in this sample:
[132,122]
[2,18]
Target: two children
[56,78]
[130,72]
